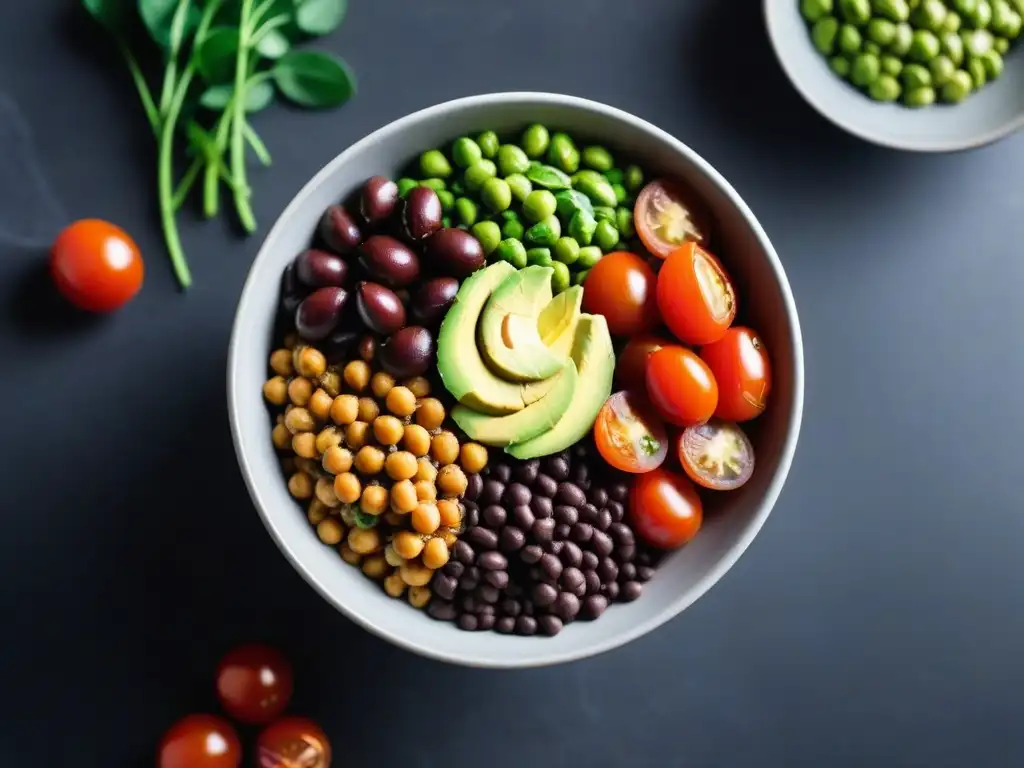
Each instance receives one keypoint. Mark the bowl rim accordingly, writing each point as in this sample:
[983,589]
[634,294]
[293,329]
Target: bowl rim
[979,140]
[728,559]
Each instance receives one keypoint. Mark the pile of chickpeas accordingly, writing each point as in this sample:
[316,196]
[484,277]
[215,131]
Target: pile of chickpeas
[382,476]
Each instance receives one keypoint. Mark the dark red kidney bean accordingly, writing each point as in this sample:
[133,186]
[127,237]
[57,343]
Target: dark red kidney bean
[544,595]
[338,346]
[505,625]
[530,554]
[339,231]
[594,606]
[433,299]
[317,268]
[512,539]
[570,494]
[368,347]
[421,213]
[572,580]
[523,517]
[292,293]
[495,516]
[550,625]
[501,472]
[319,312]
[482,538]
[589,561]
[380,308]
[409,352]
[566,606]
[526,625]
[526,472]
[379,198]
[492,561]
[454,252]
[390,261]
[631,590]
[546,486]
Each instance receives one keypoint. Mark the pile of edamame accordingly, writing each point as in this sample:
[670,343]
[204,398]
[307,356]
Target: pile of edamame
[538,200]
[915,51]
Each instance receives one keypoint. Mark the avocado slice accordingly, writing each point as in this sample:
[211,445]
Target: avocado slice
[509,340]
[458,360]
[557,321]
[594,357]
[527,423]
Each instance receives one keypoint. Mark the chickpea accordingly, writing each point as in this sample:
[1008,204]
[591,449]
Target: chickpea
[368,409]
[473,457]
[426,518]
[435,554]
[300,390]
[426,491]
[374,500]
[451,513]
[363,541]
[369,460]
[394,585]
[345,409]
[425,470]
[309,361]
[357,375]
[449,538]
[331,382]
[350,557]
[325,492]
[418,385]
[331,531]
[387,430]
[392,518]
[329,437]
[415,574]
[300,485]
[317,509]
[320,404]
[403,497]
[282,437]
[304,465]
[281,362]
[381,384]
[407,544]
[430,414]
[401,401]
[299,420]
[419,596]
[347,488]
[356,434]
[276,390]
[376,567]
[394,559]
[337,460]
[416,440]
[401,465]
[304,445]
[451,480]
[444,448]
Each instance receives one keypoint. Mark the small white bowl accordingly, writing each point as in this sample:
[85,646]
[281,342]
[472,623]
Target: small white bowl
[995,111]
[731,520]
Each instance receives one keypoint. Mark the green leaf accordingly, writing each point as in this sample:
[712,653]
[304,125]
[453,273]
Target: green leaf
[314,79]
[258,95]
[158,16]
[273,44]
[115,15]
[217,55]
[320,17]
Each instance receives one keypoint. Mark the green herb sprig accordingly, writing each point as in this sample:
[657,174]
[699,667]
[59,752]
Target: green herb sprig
[223,60]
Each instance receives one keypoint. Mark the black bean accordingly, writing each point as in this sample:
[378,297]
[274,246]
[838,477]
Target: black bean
[627,572]
[513,589]
[581,532]
[441,610]
[631,590]
[544,594]
[552,566]
[625,554]
[505,625]
[604,520]
[516,494]
[589,513]
[617,510]
[555,547]
[526,625]
[510,607]
[463,552]
[562,531]
[501,472]
[594,606]
[494,516]
[316,268]
[621,533]
[433,299]
[320,312]
[483,538]
[580,473]
[492,492]
[468,583]
[572,554]
[598,497]
[454,252]
[474,486]
[611,590]
[444,586]
[584,485]
[468,603]
[390,261]
[593,582]
[542,506]
[486,621]
[528,609]
[536,574]
[566,606]
[570,494]
[572,580]
[512,539]
[543,530]
[454,568]
[497,579]
[550,625]
[590,560]
[530,554]
[557,466]
[618,491]
[566,514]
[644,573]
[526,472]
[546,486]
[421,213]
[492,561]
[380,308]
[471,515]
[338,230]
[608,570]
[338,346]
[601,544]
[643,557]
[488,593]
[468,622]
[523,517]
[473,572]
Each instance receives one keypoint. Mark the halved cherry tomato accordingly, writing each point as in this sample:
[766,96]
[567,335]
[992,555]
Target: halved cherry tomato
[629,433]
[717,455]
[622,287]
[200,741]
[668,214]
[293,742]
[695,296]
[254,684]
[743,371]
[96,265]
[681,386]
[665,509]
[631,367]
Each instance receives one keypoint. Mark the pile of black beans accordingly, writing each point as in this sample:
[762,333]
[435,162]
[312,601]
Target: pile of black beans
[546,544]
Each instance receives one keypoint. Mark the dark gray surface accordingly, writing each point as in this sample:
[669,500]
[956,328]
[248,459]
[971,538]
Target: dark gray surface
[875,621]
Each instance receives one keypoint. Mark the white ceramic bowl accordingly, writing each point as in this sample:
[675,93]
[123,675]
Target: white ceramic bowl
[730,524]
[990,114]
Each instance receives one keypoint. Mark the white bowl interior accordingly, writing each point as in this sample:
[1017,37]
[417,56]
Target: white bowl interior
[987,115]
[732,521]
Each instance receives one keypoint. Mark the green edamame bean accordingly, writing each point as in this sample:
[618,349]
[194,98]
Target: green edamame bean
[925,46]
[942,68]
[406,185]
[457,188]
[615,176]
[545,232]
[446,222]
[919,97]
[881,31]
[582,226]
[849,40]
[634,179]
[966,8]
[993,64]
[930,14]
[540,257]
[447,199]
[580,277]
[982,16]
[624,222]
[512,159]
[513,228]
[902,41]
[916,76]
[892,65]
[856,11]
[539,204]
[894,10]
[976,69]
[465,211]
[604,213]
[520,186]
[434,163]
[589,256]
[977,42]
[535,140]
[620,193]
[489,235]
[952,22]
[478,173]
[566,250]
[596,187]
[865,70]
[953,47]
[1001,46]
[824,33]
[840,65]
[1009,22]
[598,158]
[435,184]
[958,88]
[815,9]
[1018,6]
[465,152]
[562,153]
[884,88]
[512,251]
[560,278]
[606,236]
[873,48]
[496,194]
[488,143]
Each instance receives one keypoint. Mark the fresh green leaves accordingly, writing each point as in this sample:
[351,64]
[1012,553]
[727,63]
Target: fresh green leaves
[115,15]
[159,18]
[314,79]
[320,17]
[258,95]
[273,44]
[217,54]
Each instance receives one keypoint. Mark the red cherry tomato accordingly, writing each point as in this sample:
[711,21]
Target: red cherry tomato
[254,684]
[717,455]
[631,367]
[695,296]
[629,433]
[96,265]
[200,741]
[669,214]
[665,509]
[740,364]
[623,288]
[293,742]
[681,386]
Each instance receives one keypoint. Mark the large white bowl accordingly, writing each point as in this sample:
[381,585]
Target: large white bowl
[985,116]
[731,521]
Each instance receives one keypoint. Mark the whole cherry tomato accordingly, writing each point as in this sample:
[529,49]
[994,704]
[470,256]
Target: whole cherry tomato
[631,366]
[629,433]
[681,386]
[200,741]
[695,295]
[740,364]
[669,214]
[293,742]
[665,509]
[254,684]
[96,265]
[717,455]
[623,288]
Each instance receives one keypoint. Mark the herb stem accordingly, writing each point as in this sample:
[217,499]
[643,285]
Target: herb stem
[152,113]
[268,27]
[185,185]
[257,144]
[245,214]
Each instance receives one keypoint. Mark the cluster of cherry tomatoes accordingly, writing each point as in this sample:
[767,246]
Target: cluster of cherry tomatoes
[685,365]
[254,686]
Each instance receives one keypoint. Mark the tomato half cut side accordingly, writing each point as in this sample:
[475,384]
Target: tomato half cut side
[743,371]
[629,433]
[668,214]
[696,297]
[717,455]
[665,509]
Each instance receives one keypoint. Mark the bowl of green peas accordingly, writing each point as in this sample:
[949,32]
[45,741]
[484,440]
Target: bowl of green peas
[917,75]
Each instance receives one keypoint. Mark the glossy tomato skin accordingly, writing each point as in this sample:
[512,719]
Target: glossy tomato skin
[631,366]
[293,742]
[717,455]
[200,741]
[668,214]
[696,298]
[96,265]
[630,434]
[665,509]
[681,386]
[254,684]
[623,288]
[743,370]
